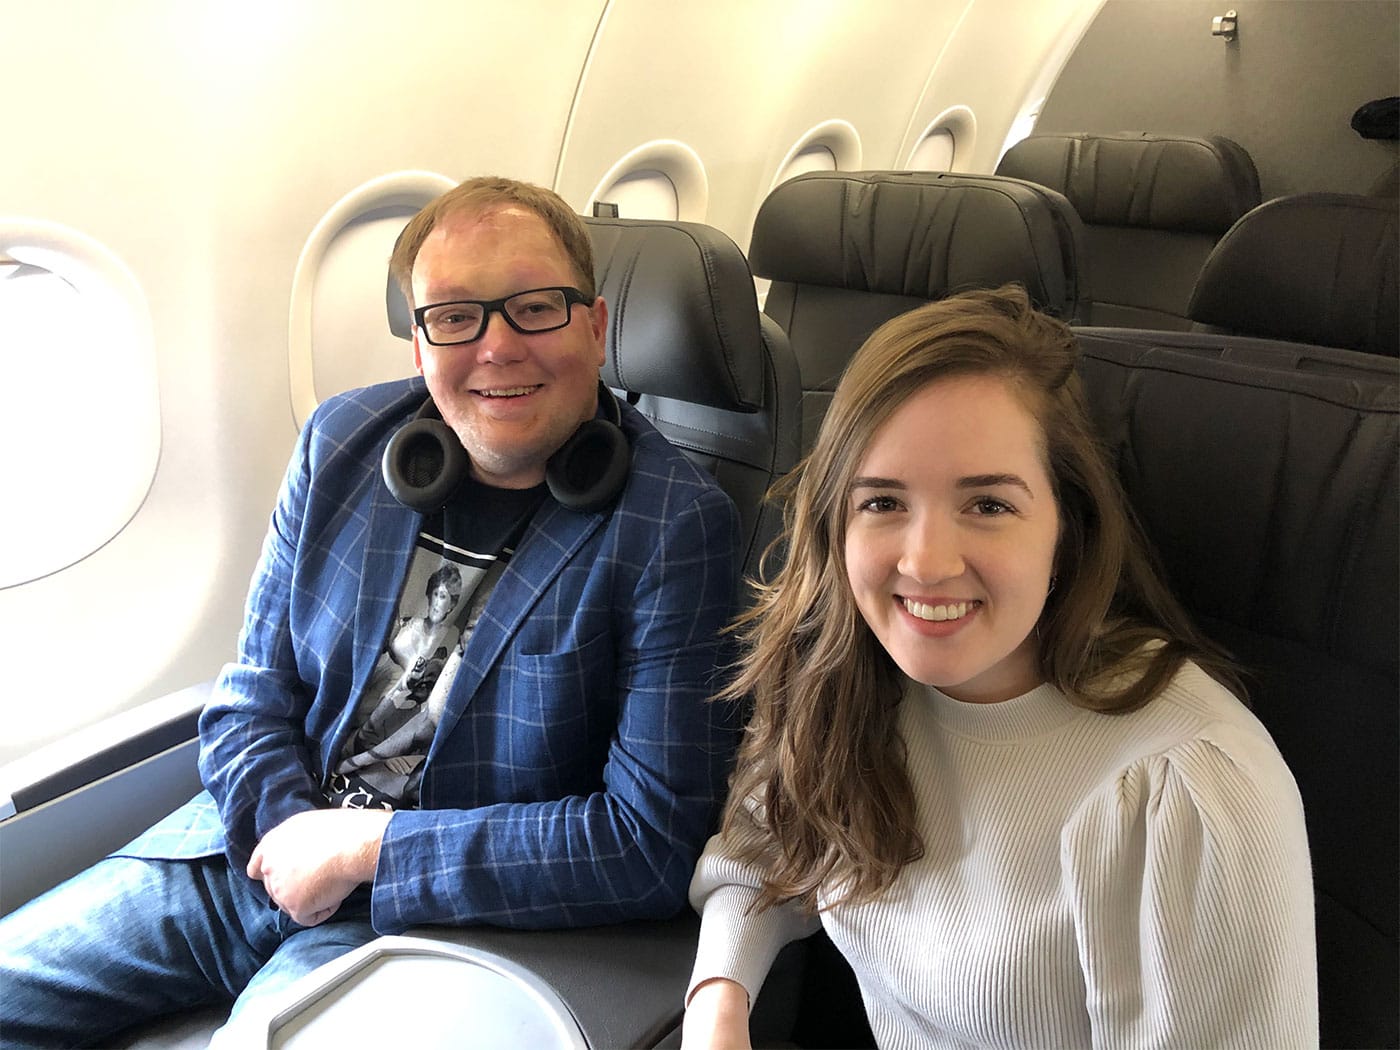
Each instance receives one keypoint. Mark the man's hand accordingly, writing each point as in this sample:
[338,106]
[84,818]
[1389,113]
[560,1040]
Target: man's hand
[311,862]
[717,1017]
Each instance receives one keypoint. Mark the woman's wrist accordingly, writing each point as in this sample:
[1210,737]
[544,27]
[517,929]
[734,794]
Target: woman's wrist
[717,1015]
[718,990]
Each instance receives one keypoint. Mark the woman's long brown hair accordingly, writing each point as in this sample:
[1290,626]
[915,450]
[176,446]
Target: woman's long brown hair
[821,798]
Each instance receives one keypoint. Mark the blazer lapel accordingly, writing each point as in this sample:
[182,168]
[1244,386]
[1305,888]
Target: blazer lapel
[550,541]
[392,534]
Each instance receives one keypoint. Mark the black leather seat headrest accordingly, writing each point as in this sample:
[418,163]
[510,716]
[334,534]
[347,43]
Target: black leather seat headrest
[1320,268]
[1163,182]
[683,315]
[400,319]
[924,235]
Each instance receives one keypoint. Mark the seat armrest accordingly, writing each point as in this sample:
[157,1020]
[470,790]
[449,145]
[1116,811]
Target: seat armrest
[455,989]
[72,802]
[101,750]
[624,984]
[600,987]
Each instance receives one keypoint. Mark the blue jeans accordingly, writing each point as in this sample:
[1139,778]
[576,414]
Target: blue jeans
[131,939]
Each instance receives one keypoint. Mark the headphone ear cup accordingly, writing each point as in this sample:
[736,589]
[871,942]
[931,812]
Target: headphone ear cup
[423,464]
[589,471]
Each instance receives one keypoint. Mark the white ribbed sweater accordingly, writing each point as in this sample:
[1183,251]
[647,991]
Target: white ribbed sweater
[1135,880]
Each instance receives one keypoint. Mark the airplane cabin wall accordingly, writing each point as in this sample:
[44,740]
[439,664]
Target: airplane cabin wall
[203,144]
[1285,89]
[744,85]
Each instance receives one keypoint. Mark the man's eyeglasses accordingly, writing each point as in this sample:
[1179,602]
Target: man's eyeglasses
[464,321]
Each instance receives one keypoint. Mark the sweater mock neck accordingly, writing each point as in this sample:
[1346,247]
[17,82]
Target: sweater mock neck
[1042,710]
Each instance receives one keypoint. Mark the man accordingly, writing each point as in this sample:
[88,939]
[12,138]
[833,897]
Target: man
[542,757]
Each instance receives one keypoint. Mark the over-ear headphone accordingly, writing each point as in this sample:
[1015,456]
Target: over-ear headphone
[424,462]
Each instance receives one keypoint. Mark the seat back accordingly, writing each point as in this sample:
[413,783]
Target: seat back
[847,251]
[688,345]
[1312,267]
[1267,477]
[1153,207]
[1387,183]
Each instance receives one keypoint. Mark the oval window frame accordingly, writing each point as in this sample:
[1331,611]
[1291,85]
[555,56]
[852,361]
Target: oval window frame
[94,269]
[959,122]
[400,189]
[839,137]
[671,158]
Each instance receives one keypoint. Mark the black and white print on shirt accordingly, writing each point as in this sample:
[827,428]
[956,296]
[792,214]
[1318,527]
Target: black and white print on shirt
[447,586]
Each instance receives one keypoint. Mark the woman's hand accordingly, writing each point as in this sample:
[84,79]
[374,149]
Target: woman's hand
[717,1017]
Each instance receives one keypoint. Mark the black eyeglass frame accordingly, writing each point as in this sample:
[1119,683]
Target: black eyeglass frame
[572,297]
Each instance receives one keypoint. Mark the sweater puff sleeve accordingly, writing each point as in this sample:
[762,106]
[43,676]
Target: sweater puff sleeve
[735,941]
[1189,882]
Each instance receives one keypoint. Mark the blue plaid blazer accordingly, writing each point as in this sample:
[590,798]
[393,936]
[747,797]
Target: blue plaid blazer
[577,768]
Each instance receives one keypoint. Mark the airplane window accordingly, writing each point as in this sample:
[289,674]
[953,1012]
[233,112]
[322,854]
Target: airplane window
[76,315]
[935,152]
[833,145]
[647,194]
[351,344]
[810,158]
[946,142]
[663,179]
[338,333]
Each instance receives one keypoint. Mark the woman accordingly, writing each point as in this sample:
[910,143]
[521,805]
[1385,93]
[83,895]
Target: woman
[989,753]
[413,660]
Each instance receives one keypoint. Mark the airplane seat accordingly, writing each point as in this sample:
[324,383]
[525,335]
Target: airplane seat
[1265,475]
[688,344]
[1387,184]
[1153,207]
[847,251]
[1321,268]
[1266,478]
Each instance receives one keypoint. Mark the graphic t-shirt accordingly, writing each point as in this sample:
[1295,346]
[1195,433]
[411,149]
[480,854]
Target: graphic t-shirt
[460,553]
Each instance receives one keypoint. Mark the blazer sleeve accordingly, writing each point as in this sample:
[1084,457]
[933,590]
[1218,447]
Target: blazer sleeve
[1190,886]
[627,851]
[253,755]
